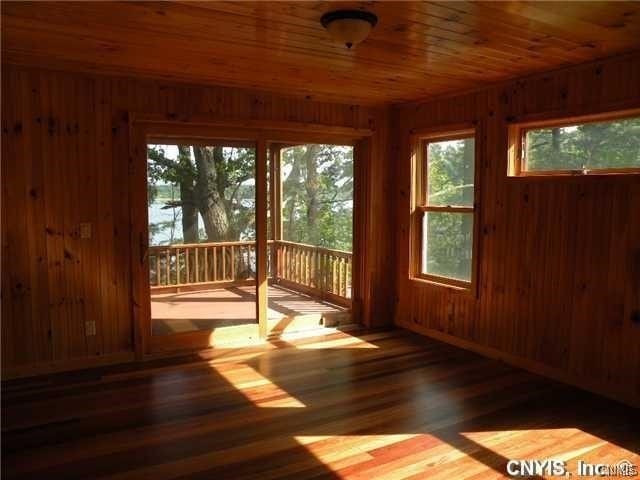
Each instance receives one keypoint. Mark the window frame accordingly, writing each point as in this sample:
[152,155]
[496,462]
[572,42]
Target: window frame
[419,204]
[517,134]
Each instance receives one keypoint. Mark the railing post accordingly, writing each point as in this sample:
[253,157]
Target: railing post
[275,204]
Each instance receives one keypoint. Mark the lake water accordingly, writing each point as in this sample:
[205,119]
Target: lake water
[158,214]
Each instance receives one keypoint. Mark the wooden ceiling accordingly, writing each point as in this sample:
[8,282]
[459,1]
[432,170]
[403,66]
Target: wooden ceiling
[418,49]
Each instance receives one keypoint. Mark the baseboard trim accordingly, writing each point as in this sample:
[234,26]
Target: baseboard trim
[45,368]
[525,364]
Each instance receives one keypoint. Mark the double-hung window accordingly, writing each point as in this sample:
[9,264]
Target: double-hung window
[445,211]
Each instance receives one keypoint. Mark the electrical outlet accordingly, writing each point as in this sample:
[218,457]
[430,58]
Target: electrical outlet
[90,328]
[85,230]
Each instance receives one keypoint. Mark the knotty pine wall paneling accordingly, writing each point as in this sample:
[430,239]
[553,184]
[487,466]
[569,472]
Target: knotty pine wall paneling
[65,154]
[559,271]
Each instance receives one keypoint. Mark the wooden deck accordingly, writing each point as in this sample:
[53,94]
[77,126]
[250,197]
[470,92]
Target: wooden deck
[233,306]
[382,405]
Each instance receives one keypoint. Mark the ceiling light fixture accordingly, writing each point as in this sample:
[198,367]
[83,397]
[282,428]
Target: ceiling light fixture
[349,27]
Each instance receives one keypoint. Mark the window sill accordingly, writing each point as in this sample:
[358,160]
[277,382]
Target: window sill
[574,178]
[574,174]
[443,284]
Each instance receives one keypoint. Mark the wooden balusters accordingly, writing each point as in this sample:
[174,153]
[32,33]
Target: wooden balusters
[206,265]
[167,266]
[216,263]
[232,260]
[186,257]
[318,271]
[192,264]
[224,263]
[322,272]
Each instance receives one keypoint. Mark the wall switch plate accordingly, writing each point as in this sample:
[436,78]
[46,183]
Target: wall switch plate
[90,328]
[85,230]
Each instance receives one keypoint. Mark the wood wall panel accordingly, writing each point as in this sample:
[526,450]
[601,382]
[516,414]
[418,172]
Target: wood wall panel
[559,271]
[65,154]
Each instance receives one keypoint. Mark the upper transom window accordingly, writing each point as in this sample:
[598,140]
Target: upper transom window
[598,144]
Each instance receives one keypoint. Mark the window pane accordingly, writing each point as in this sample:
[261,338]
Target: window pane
[447,243]
[591,146]
[450,169]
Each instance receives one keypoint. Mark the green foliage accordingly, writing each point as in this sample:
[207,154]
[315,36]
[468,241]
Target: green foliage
[237,184]
[448,237]
[169,175]
[164,193]
[163,171]
[318,195]
[613,144]
[449,241]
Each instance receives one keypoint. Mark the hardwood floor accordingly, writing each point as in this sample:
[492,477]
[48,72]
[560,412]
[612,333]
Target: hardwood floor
[383,404]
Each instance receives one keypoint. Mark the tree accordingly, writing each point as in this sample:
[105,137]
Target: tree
[210,186]
[180,172]
[612,144]
[214,185]
[449,235]
[318,195]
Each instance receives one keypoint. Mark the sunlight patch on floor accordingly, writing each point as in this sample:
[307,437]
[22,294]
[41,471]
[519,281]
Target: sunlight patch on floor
[562,443]
[257,388]
[337,452]
[403,455]
[417,454]
[349,342]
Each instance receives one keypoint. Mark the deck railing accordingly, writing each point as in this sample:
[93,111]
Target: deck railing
[321,272]
[191,264]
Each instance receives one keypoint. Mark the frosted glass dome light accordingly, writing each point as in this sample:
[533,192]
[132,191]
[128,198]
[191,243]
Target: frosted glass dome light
[349,27]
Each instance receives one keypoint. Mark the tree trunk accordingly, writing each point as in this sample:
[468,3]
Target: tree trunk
[187,200]
[312,187]
[290,187]
[209,199]
[555,140]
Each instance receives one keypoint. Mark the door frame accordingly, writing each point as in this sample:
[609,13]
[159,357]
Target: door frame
[143,127]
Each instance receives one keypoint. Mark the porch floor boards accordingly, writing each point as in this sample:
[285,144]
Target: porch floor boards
[231,306]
